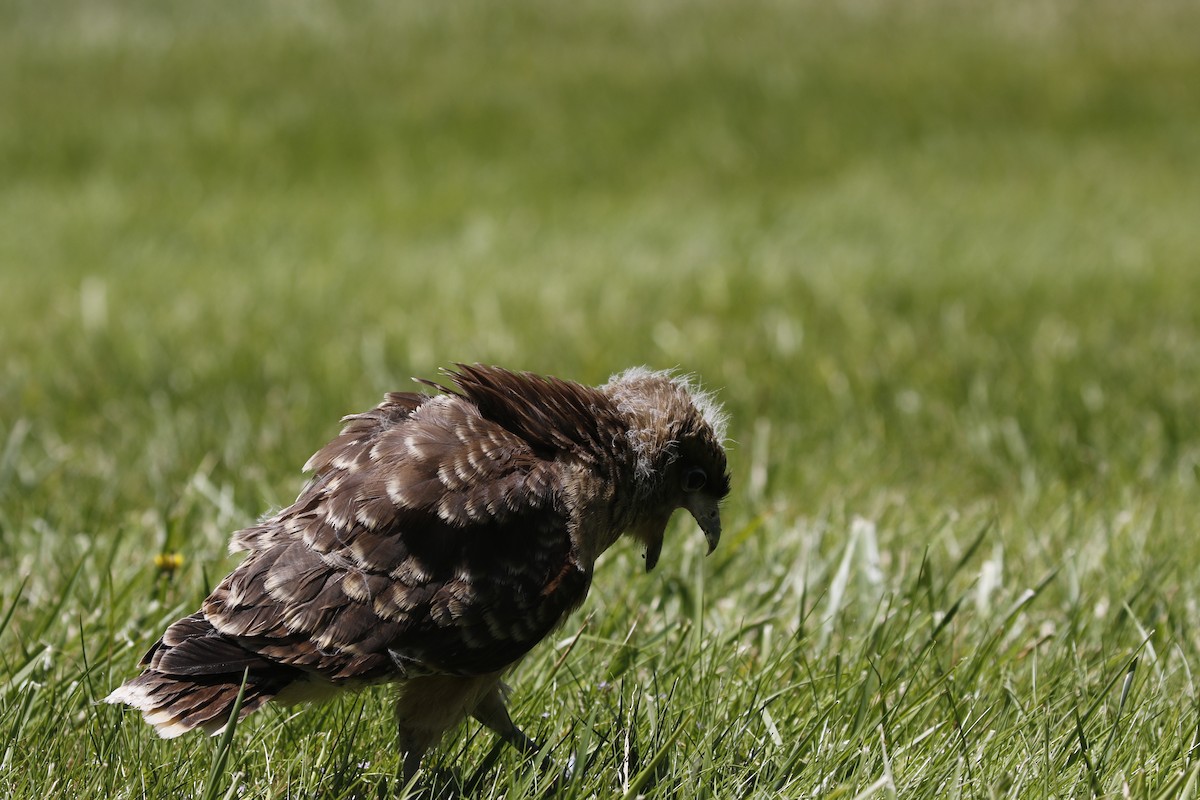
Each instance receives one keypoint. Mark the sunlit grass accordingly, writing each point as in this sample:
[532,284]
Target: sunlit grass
[940,258]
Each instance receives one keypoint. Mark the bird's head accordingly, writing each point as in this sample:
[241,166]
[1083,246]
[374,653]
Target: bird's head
[676,434]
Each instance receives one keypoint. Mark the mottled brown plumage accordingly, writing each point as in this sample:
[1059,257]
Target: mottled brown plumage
[441,537]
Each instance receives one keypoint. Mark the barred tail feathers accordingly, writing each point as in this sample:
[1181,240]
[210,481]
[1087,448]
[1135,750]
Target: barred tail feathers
[192,679]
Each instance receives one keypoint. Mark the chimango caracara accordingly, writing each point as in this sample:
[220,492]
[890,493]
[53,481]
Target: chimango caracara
[440,538]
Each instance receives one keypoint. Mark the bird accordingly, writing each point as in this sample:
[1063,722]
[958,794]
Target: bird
[441,536]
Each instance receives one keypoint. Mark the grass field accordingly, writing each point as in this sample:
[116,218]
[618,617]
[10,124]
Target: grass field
[942,259]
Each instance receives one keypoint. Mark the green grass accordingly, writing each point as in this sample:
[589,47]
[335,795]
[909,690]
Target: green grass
[942,258]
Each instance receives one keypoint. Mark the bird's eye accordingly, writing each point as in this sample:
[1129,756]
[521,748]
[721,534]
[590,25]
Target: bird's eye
[694,480]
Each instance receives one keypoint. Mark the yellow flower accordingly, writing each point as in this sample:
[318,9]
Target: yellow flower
[167,563]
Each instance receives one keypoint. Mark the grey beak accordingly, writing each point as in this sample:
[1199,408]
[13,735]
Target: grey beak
[707,514]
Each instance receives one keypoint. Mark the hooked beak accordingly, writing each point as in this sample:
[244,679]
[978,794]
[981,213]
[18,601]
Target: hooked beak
[707,514]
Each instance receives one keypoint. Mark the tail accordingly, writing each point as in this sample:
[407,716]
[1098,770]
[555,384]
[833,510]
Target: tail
[193,676]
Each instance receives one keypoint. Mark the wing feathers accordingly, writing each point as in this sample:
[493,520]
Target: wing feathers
[359,427]
[433,537]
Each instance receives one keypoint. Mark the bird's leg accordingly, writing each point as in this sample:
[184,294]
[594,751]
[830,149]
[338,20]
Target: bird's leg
[492,712]
[412,750]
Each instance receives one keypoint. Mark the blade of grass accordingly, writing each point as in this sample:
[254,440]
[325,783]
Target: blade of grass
[213,786]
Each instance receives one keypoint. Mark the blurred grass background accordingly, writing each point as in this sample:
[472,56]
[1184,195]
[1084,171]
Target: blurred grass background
[942,259]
